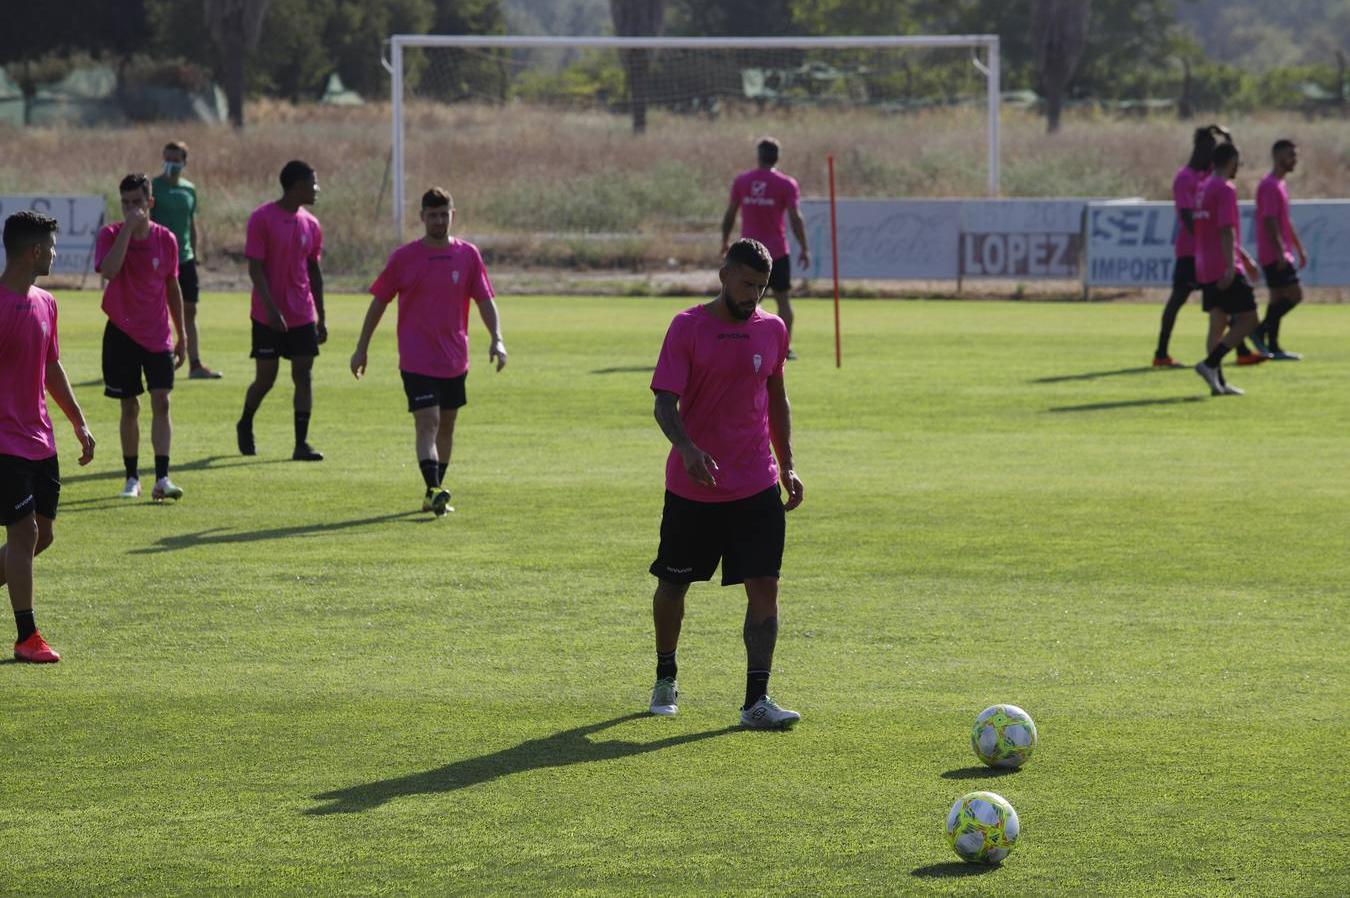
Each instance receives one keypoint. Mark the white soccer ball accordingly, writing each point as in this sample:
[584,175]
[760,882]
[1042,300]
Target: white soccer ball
[1004,736]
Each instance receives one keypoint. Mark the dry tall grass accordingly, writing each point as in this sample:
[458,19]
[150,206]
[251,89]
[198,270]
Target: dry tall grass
[527,180]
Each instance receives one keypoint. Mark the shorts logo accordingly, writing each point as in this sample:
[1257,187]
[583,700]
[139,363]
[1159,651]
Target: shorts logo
[759,360]
[680,570]
[26,501]
[424,396]
[454,276]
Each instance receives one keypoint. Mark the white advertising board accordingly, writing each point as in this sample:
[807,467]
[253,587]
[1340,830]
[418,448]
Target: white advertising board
[1129,244]
[79,218]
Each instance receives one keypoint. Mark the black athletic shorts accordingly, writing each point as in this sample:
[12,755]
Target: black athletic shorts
[123,361]
[1278,276]
[187,280]
[1183,273]
[424,391]
[780,275]
[28,486]
[294,343]
[1239,297]
[746,535]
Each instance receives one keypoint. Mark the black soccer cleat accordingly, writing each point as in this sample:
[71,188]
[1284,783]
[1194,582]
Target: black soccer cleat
[244,434]
[306,452]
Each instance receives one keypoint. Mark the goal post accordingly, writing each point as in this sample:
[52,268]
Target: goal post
[400,44]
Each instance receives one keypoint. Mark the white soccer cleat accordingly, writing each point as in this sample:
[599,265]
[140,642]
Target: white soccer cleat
[132,490]
[766,715]
[665,696]
[166,489]
[1230,390]
[1210,376]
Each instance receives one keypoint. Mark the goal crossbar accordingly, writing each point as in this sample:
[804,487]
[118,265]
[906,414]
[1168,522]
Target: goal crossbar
[399,42]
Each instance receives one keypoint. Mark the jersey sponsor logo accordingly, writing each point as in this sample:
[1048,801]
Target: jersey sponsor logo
[758,360]
[757,188]
[733,336]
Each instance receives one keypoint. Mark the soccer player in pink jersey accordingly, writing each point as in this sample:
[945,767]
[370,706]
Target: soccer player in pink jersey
[1276,243]
[722,403]
[30,367]
[284,244]
[434,278]
[138,259]
[763,195]
[1228,296]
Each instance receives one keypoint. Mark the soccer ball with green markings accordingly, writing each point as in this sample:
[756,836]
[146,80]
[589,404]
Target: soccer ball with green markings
[1004,736]
[982,828]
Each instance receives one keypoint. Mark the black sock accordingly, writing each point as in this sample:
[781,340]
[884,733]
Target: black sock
[665,665]
[161,467]
[27,626]
[301,428]
[440,472]
[429,472]
[1214,359]
[131,464]
[756,686]
[247,417]
[1243,348]
[1275,312]
[1169,319]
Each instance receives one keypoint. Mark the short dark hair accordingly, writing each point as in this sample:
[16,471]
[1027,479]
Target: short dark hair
[750,252]
[294,172]
[27,228]
[437,197]
[1283,143]
[135,181]
[1224,153]
[177,145]
[768,151]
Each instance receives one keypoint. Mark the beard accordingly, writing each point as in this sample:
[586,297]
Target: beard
[739,312]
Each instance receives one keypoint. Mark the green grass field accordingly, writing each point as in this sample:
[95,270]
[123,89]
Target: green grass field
[295,682]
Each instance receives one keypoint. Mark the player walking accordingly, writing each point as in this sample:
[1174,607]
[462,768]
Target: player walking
[175,207]
[1276,242]
[30,366]
[283,247]
[1228,296]
[762,195]
[139,262]
[434,278]
[721,401]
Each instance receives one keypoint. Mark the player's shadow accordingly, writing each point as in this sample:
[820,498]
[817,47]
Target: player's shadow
[975,773]
[952,870]
[209,462]
[1093,375]
[625,369]
[1126,403]
[220,535]
[559,750]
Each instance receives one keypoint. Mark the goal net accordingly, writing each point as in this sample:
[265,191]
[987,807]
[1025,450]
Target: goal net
[619,152]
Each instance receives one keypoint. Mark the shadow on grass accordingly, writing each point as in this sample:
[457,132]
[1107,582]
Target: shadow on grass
[1093,375]
[559,750]
[975,773]
[201,464]
[219,535]
[96,382]
[629,369]
[952,870]
[1127,403]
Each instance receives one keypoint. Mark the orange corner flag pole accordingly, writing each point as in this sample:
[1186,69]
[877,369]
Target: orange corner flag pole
[834,262]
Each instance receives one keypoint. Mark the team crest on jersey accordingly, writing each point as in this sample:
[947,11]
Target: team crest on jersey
[759,360]
[454,276]
[154,263]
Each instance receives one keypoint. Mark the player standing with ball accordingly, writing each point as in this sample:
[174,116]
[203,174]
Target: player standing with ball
[722,403]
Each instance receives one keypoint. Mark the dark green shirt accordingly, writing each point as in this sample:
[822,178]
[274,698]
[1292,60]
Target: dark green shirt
[175,204]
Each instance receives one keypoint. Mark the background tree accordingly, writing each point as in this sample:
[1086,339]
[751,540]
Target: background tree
[638,18]
[235,27]
[1059,30]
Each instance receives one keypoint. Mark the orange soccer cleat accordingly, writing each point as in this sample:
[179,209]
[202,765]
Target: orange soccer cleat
[35,650]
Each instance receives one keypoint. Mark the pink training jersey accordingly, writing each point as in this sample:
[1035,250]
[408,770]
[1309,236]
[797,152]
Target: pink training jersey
[1272,201]
[1185,185]
[285,243]
[136,301]
[434,285]
[27,345]
[720,371]
[765,195]
[1216,207]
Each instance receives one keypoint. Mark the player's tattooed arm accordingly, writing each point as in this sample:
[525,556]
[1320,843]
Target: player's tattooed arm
[700,465]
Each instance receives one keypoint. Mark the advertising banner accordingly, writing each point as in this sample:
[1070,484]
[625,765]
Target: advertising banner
[79,218]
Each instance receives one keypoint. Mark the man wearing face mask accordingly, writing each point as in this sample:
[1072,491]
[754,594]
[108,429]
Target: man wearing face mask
[176,208]
[721,401]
